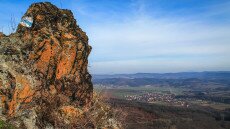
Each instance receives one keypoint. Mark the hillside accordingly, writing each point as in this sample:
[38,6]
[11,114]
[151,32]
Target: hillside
[151,116]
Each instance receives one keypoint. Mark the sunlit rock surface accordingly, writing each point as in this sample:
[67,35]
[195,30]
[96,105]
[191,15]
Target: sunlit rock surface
[44,65]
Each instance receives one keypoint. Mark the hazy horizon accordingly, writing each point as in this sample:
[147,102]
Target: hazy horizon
[162,72]
[146,36]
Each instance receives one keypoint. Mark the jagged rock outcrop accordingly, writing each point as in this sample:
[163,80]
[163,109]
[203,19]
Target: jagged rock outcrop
[43,68]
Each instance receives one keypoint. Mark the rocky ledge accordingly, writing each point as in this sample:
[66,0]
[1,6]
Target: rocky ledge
[43,68]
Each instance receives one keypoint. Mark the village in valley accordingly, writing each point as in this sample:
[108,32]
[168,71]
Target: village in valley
[168,99]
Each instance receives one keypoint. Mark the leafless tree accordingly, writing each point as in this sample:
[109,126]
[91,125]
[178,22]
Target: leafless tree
[1,29]
[13,25]
[61,3]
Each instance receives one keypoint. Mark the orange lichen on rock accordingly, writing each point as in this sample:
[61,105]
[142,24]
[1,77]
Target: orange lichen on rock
[52,89]
[66,60]
[42,64]
[69,36]
[2,97]
[47,65]
[12,105]
[71,112]
[22,94]
[40,17]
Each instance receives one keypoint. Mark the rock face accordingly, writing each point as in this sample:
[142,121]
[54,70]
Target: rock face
[44,65]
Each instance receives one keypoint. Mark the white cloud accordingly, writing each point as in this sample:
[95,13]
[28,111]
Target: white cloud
[140,37]
[142,41]
[159,65]
[161,36]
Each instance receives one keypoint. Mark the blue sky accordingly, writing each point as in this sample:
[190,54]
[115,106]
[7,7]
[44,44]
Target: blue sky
[130,36]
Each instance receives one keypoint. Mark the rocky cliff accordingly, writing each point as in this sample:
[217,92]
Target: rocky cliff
[43,67]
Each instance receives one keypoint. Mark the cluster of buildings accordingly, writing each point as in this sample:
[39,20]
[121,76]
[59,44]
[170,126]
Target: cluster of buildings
[156,98]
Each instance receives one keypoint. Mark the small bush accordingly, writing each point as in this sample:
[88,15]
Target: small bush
[5,125]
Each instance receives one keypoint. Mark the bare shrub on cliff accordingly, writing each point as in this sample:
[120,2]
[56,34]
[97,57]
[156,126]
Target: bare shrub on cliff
[13,24]
[101,114]
[97,114]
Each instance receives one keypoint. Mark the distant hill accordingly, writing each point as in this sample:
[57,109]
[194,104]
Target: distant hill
[180,75]
[185,79]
